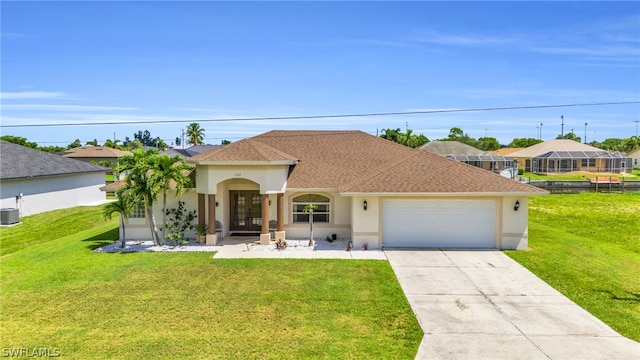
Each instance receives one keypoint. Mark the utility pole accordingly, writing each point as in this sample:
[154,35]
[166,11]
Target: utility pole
[562,126]
[636,121]
[541,131]
[406,126]
[585,132]
[485,132]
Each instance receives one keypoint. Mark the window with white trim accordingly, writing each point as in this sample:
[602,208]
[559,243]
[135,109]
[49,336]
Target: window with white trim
[322,214]
[138,211]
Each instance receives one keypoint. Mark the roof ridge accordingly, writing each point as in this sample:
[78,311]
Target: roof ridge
[260,147]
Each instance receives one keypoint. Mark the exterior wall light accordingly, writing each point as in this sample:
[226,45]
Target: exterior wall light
[217,204]
[364,205]
[516,206]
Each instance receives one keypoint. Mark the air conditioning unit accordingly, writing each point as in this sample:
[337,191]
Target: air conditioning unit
[9,216]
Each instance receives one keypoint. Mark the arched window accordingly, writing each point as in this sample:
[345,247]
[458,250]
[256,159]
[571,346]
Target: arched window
[322,214]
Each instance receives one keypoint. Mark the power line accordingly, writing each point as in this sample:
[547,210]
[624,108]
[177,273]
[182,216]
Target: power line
[320,116]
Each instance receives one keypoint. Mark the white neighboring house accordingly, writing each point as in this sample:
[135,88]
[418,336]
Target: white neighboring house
[35,181]
[635,158]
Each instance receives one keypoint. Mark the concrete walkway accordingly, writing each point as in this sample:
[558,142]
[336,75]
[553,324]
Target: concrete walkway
[484,305]
[241,251]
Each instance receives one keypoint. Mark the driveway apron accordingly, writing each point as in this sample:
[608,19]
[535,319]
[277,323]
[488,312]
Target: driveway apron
[484,305]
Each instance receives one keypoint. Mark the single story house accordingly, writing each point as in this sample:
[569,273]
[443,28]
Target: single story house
[89,153]
[505,151]
[470,155]
[635,158]
[564,155]
[367,190]
[35,181]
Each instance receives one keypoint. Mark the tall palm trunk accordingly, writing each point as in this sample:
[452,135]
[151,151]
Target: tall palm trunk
[164,215]
[152,226]
[124,236]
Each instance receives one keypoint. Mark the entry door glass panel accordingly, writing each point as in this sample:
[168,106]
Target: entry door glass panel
[246,210]
[239,204]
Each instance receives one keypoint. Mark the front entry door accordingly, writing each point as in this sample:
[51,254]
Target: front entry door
[246,210]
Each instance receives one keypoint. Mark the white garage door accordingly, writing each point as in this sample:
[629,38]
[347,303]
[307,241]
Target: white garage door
[439,223]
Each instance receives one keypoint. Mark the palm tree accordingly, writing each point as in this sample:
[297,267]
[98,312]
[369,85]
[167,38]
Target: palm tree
[631,143]
[165,172]
[391,134]
[124,207]
[112,144]
[195,134]
[138,184]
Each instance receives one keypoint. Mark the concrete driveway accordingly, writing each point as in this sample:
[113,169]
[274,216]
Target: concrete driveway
[484,305]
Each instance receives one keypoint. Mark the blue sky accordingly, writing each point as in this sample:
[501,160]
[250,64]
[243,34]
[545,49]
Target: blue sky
[92,62]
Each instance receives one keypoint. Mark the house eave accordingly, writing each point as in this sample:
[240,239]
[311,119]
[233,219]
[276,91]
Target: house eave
[445,194]
[242,163]
[38,176]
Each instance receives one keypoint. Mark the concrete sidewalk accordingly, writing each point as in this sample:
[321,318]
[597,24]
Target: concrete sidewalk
[484,305]
[241,251]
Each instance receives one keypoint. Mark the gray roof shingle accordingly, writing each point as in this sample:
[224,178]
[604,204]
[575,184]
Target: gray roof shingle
[17,161]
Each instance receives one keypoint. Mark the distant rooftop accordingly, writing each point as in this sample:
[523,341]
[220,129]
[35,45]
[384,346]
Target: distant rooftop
[17,161]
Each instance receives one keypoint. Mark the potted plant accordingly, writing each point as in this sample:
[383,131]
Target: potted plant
[202,233]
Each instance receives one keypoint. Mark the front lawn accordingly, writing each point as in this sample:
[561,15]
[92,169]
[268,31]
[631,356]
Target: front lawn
[58,294]
[587,246]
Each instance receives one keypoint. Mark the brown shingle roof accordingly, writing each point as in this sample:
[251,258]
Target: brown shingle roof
[356,162]
[95,152]
[244,150]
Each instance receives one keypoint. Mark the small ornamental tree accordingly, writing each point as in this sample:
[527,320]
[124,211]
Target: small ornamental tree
[179,221]
[309,208]
[124,207]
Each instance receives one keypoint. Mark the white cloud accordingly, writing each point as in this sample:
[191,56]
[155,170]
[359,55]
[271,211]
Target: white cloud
[29,95]
[465,40]
[55,107]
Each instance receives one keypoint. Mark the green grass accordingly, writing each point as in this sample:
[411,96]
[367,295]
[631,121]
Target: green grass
[57,293]
[49,226]
[587,246]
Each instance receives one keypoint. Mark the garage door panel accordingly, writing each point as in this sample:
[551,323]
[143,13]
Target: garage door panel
[439,223]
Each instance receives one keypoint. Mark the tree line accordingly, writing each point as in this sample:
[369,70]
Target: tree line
[408,138]
[194,136]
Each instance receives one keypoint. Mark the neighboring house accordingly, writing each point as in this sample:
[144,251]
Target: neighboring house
[564,155]
[505,151]
[469,155]
[35,181]
[367,190]
[89,153]
[635,158]
[191,151]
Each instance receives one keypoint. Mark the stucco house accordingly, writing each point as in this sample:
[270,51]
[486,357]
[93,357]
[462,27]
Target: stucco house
[564,155]
[367,190]
[35,181]
[635,158]
[470,155]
